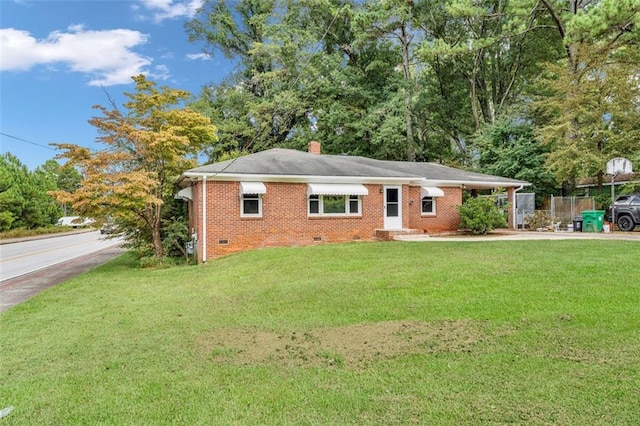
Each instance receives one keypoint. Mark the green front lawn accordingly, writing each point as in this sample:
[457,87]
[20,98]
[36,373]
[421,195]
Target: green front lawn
[536,332]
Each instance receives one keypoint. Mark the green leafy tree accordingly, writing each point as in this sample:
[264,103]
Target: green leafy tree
[146,150]
[477,59]
[65,178]
[392,21]
[24,202]
[258,106]
[588,107]
[509,148]
[12,202]
[304,74]
[416,80]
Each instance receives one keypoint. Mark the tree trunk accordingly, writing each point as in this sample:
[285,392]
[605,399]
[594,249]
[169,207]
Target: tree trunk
[474,102]
[155,231]
[157,242]
[411,150]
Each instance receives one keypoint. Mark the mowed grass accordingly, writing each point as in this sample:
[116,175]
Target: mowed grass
[518,332]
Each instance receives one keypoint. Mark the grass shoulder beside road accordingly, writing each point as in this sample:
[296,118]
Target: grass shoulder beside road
[366,333]
[49,230]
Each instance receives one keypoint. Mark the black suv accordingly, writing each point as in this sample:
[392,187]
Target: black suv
[627,211]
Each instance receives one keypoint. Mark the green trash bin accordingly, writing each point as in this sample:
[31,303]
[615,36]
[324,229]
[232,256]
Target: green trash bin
[592,220]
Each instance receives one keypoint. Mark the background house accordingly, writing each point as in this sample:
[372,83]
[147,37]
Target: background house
[283,197]
[589,186]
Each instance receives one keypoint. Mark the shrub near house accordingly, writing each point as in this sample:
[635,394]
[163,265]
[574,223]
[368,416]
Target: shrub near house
[480,215]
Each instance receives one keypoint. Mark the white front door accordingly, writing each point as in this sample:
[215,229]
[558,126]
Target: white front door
[392,207]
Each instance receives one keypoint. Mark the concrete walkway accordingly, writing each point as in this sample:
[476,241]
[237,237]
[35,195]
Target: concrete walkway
[506,235]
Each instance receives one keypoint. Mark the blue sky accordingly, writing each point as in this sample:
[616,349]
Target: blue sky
[59,58]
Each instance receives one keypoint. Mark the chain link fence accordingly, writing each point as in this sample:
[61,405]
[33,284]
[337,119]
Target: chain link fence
[565,209]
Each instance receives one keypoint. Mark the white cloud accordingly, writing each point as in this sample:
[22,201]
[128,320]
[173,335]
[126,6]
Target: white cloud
[170,9]
[106,56]
[199,56]
[160,72]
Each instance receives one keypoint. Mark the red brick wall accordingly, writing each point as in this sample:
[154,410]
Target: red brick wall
[446,218]
[284,220]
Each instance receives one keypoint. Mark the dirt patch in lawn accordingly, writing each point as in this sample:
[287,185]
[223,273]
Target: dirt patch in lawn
[351,345]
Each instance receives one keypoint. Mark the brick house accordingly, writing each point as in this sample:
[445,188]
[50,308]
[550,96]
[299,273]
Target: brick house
[283,197]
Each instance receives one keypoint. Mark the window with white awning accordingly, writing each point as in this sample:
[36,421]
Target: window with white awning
[251,198]
[428,199]
[335,199]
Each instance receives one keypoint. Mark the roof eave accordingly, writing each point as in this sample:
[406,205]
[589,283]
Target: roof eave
[468,184]
[415,181]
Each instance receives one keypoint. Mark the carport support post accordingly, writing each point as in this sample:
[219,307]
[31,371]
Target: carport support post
[511,198]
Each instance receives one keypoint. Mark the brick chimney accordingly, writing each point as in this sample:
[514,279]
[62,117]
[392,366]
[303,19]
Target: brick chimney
[314,147]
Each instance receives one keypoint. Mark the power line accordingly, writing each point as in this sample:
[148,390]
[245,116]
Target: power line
[29,142]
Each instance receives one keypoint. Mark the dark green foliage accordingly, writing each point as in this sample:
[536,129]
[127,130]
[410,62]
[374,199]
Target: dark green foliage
[480,215]
[175,228]
[509,148]
[630,188]
[395,80]
[174,234]
[24,202]
[587,101]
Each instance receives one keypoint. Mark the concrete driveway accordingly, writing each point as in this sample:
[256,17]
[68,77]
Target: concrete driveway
[506,235]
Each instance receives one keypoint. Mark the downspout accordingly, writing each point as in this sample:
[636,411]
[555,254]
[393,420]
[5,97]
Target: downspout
[515,208]
[204,218]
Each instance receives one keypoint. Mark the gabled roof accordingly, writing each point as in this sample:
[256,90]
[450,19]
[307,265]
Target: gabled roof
[287,164]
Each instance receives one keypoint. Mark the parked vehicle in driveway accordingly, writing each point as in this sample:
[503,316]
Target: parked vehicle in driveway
[75,221]
[626,212]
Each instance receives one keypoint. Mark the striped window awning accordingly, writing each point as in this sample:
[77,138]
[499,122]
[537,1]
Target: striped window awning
[336,189]
[185,194]
[252,188]
[432,191]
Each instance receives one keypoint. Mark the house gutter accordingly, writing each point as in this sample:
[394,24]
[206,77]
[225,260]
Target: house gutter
[204,218]
[384,180]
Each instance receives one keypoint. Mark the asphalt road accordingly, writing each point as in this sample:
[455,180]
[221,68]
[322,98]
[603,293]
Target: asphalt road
[31,265]
[31,255]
